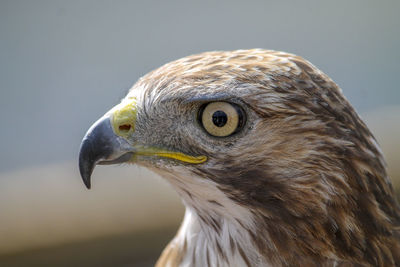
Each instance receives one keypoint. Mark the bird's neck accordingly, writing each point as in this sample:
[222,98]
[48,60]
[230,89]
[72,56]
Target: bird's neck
[207,241]
[215,230]
[219,231]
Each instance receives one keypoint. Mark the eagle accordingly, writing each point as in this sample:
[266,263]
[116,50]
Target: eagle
[272,163]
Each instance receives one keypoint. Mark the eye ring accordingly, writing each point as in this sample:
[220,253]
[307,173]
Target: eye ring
[221,119]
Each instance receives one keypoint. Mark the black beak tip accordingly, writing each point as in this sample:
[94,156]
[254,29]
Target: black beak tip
[86,181]
[86,164]
[86,169]
[88,185]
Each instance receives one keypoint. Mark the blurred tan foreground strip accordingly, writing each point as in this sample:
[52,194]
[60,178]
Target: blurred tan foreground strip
[49,205]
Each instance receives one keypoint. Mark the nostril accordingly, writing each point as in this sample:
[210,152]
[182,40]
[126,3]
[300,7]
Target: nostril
[125,127]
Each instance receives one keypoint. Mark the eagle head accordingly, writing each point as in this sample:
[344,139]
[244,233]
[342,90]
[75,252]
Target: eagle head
[273,164]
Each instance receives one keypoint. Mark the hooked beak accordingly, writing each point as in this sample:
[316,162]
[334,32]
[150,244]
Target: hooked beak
[106,142]
[102,146]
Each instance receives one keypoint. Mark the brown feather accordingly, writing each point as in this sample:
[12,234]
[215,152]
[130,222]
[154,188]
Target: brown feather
[307,168]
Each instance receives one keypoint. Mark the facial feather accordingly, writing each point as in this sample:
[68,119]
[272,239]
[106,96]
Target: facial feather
[307,168]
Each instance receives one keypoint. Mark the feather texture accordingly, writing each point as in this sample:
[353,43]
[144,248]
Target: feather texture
[303,184]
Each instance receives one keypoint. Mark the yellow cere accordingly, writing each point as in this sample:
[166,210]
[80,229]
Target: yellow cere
[172,155]
[124,117]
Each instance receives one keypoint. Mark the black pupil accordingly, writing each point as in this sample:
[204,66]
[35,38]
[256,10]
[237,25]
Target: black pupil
[219,118]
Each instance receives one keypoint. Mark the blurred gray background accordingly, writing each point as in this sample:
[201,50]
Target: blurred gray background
[64,63]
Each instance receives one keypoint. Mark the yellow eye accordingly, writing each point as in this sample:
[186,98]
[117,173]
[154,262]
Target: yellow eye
[221,118]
